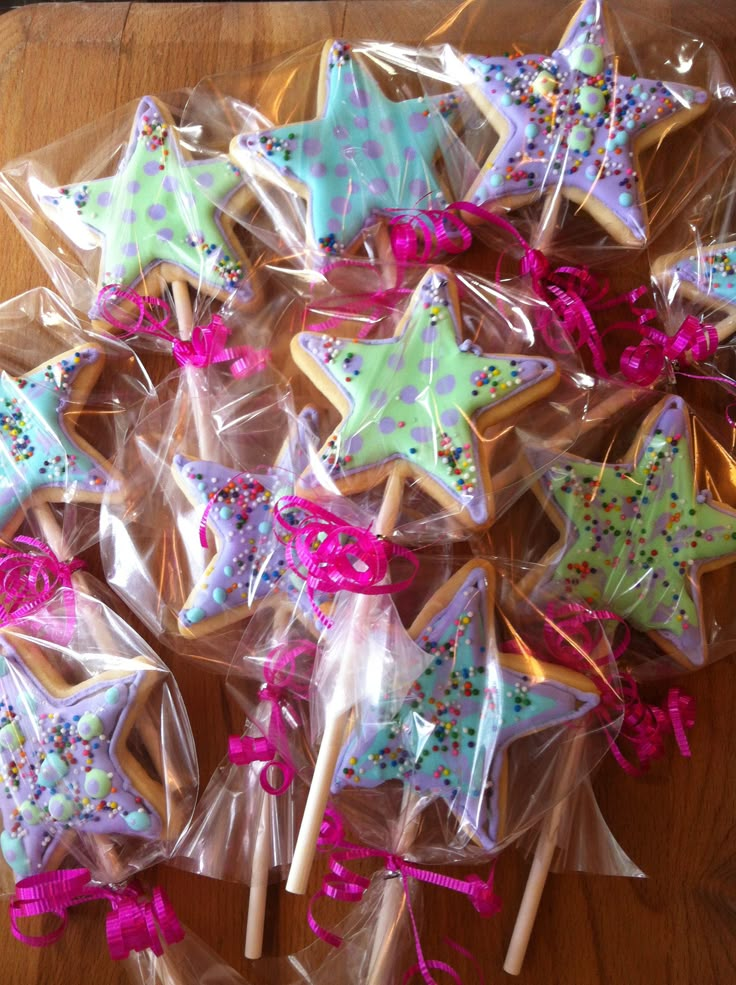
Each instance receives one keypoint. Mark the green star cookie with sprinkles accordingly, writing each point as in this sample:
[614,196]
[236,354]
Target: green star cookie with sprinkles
[160,218]
[415,405]
[637,536]
[42,458]
[706,276]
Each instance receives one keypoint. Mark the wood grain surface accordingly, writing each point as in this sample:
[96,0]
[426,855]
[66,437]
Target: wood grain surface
[64,65]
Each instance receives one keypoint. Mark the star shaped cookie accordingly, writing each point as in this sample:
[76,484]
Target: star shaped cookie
[65,768]
[572,120]
[416,404]
[637,536]
[160,217]
[42,458]
[706,276]
[362,153]
[450,738]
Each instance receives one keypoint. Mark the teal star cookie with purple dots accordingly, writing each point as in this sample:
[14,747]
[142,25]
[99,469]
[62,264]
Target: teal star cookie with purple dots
[573,121]
[707,276]
[363,153]
[450,738]
[416,405]
[637,536]
[42,457]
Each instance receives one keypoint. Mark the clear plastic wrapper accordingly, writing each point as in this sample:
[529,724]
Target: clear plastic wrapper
[571,123]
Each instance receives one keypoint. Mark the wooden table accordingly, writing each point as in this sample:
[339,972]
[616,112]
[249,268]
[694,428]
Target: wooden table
[62,66]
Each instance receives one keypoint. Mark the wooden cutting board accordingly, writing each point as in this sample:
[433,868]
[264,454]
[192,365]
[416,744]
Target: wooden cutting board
[63,66]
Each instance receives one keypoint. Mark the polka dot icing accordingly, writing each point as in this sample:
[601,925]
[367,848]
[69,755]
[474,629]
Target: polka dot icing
[62,778]
[39,452]
[712,272]
[449,739]
[160,207]
[573,120]
[346,158]
[435,393]
[636,534]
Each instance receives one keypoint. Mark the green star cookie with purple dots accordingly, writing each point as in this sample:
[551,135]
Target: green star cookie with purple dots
[573,121]
[416,405]
[636,537]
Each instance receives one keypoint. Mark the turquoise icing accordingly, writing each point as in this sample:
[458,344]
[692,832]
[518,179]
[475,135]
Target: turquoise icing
[14,854]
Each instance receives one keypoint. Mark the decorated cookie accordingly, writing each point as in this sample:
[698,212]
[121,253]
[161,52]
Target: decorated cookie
[362,153]
[250,561]
[65,765]
[160,217]
[637,536]
[416,404]
[450,738]
[706,276]
[572,120]
[42,458]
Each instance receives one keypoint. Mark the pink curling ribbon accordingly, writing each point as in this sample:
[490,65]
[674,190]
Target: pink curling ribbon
[644,363]
[29,580]
[133,924]
[332,556]
[347,886]
[272,748]
[206,346]
[369,306]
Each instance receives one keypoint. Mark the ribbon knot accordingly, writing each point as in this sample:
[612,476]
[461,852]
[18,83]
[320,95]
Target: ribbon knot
[29,580]
[133,924]
[242,751]
[692,342]
[534,264]
[331,555]
[206,346]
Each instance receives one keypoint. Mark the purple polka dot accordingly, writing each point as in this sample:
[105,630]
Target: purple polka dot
[129,216]
[359,97]
[395,361]
[156,212]
[445,385]
[129,250]
[340,205]
[10,854]
[312,147]
[587,55]
[134,187]
[592,98]
[409,394]
[409,153]
[353,445]
[151,168]
[387,126]
[361,122]
[118,272]
[418,122]
[334,226]
[430,333]
[341,170]
[392,170]
[422,435]
[170,184]
[205,180]
[341,132]
[418,188]
[378,186]
[428,365]
[104,199]
[387,425]
[372,149]
[449,417]
[165,234]
[92,787]
[355,365]
[318,170]
[379,398]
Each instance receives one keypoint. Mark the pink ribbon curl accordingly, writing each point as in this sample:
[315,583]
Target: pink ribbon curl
[206,346]
[645,362]
[29,580]
[133,924]
[279,687]
[342,883]
[332,556]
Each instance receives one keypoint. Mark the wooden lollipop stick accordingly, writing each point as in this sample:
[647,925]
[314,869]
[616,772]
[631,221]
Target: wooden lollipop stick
[336,726]
[545,233]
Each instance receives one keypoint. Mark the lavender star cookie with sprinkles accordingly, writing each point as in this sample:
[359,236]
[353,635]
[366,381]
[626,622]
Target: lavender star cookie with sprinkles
[65,768]
[636,537]
[571,120]
[160,217]
[42,458]
[450,738]
[706,276]
[416,405]
[363,152]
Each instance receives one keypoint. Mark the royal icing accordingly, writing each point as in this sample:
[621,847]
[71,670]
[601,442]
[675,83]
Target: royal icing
[573,120]
[362,154]
[39,451]
[450,737]
[417,397]
[158,208]
[60,766]
[712,273]
[637,533]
